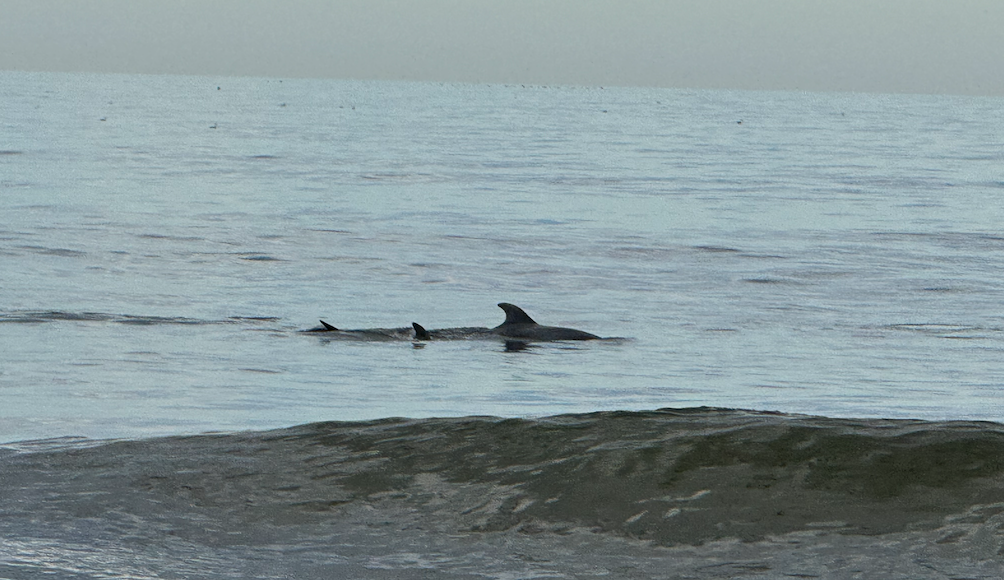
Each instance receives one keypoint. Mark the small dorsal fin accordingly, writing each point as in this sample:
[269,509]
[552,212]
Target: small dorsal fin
[515,315]
[420,333]
[327,326]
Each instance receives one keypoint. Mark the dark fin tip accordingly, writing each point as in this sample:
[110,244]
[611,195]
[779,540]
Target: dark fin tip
[327,326]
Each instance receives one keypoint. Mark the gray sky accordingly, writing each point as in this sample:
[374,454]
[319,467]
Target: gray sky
[919,46]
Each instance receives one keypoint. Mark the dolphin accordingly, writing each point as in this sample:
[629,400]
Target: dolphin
[460,333]
[372,334]
[325,327]
[519,325]
[420,333]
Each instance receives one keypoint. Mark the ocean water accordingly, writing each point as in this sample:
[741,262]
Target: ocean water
[757,257]
[164,238]
[699,493]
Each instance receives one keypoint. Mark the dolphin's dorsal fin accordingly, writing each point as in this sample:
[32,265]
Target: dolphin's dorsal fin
[515,315]
[420,333]
[327,326]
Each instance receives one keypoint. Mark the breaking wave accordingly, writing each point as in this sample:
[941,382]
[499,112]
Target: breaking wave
[702,493]
[684,476]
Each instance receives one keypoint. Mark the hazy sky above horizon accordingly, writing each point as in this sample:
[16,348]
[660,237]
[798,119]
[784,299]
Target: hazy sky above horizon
[917,46]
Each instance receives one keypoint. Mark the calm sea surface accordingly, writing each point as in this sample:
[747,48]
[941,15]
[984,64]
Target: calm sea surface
[163,239]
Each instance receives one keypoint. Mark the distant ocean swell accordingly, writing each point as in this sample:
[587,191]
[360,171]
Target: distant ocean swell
[44,316]
[670,477]
[938,330]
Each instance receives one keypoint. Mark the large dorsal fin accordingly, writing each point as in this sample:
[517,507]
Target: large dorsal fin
[327,326]
[420,333]
[515,315]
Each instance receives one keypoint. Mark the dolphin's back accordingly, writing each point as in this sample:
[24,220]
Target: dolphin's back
[538,332]
[521,326]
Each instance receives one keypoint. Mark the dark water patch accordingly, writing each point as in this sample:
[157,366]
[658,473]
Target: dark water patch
[172,238]
[464,237]
[261,258]
[10,152]
[402,177]
[969,241]
[941,330]
[263,157]
[656,253]
[717,249]
[152,320]
[60,252]
[766,281]
[41,316]
[46,316]
[748,255]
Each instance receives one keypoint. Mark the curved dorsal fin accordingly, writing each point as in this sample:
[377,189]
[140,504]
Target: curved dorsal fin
[515,315]
[327,326]
[420,333]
